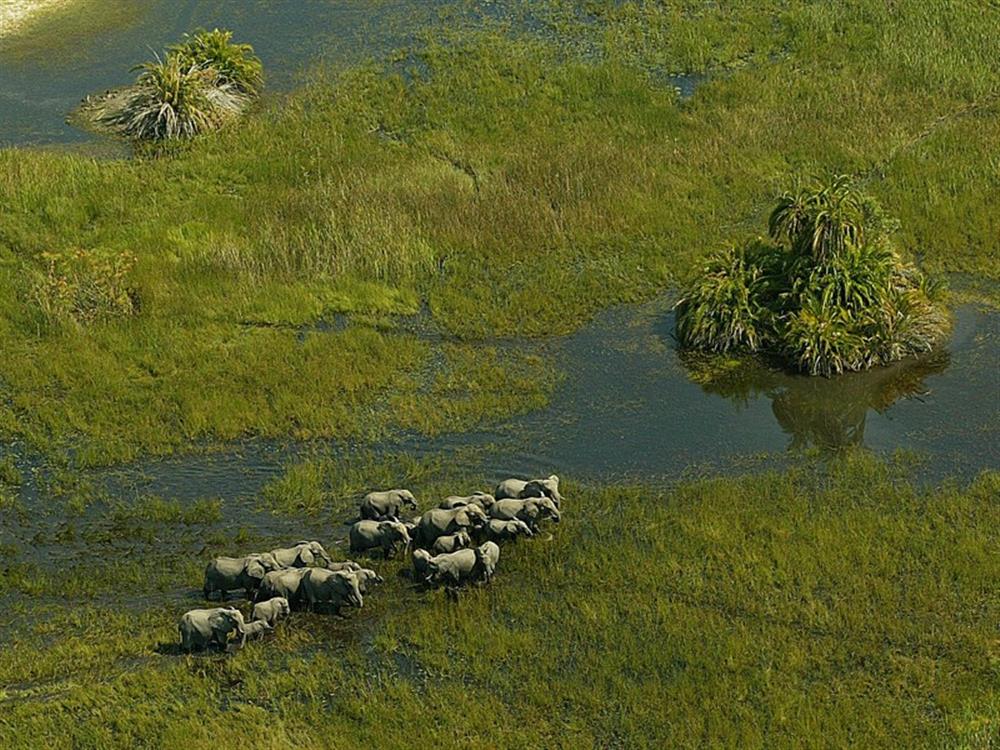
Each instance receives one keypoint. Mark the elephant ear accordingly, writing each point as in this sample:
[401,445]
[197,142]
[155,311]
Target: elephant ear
[306,556]
[255,569]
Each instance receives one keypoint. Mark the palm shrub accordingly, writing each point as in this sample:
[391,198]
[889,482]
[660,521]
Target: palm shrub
[831,294]
[234,65]
[173,100]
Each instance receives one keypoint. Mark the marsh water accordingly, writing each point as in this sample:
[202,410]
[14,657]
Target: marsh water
[40,83]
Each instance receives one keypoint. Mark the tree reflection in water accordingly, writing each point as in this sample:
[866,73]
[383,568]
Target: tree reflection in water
[826,413]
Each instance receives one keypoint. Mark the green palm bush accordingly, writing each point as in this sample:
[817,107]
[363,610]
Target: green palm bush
[234,65]
[173,100]
[829,296]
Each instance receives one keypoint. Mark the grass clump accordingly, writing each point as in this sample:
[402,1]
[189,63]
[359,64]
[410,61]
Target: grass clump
[198,87]
[86,285]
[831,294]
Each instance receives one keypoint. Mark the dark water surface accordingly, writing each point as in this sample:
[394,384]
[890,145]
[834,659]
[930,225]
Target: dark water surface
[630,410]
[38,88]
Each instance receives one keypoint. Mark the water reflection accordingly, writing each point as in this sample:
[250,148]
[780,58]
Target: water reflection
[830,413]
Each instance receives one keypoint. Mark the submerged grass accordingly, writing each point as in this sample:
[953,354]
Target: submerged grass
[812,607]
[513,184]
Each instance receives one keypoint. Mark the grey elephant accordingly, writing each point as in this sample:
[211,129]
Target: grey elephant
[302,555]
[451,542]
[520,489]
[335,588]
[272,610]
[224,574]
[487,556]
[532,511]
[384,535]
[201,628]
[386,505]
[498,530]
[284,583]
[256,629]
[456,568]
[482,499]
[440,522]
[344,565]
[368,578]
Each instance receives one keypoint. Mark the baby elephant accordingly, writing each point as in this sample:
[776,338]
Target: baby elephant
[452,542]
[384,535]
[366,578]
[520,489]
[481,499]
[256,629]
[531,511]
[271,611]
[201,628]
[506,531]
[385,506]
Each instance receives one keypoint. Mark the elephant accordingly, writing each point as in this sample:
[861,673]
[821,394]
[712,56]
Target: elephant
[367,577]
[498,530]
[452,542]
[456,568]
[385,506]
[344,565]
[532,511]
[487,556]
[256,629]
[284,583]
[224,574]
[384,535]
[439,522]
[272,610]
[520,489]
[481,499]
[302,555]
[201,628]
[334,588]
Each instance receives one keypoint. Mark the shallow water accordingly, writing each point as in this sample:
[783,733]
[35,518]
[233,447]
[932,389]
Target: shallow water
[629,409]
[38,90]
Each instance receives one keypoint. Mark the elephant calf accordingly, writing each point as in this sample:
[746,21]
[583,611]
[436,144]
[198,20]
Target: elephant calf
[456,568]
[333,588]
[482,499]
[301,555]
[201,628]
[452,542]
[282,583]
[520,489]
[256,629]
[367,577]
[386,506]
[498,530]
[271,611]
[384,535]
[531,511]
[225,574]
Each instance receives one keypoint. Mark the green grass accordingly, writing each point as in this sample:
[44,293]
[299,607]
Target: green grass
[807,608]
[514,186]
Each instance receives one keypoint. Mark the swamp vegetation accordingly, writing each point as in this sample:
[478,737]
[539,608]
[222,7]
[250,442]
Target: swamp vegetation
[361,258]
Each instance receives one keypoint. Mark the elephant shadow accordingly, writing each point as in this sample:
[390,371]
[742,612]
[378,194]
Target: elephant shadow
[172,648]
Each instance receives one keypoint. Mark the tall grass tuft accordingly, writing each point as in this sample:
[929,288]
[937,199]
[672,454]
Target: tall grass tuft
[831,295]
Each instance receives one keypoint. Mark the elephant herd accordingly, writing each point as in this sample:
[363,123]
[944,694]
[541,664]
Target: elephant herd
[451,545]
